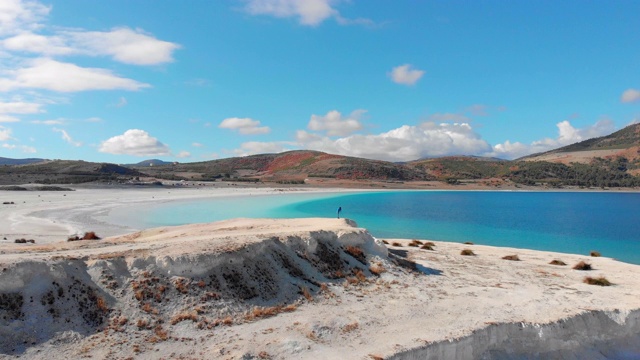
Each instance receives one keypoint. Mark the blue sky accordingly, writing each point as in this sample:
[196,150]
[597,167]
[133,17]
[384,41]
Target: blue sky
[123,81]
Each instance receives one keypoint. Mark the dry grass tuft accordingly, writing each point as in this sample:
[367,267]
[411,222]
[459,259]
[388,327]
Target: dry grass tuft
[305,292]
[182,285]
[511,257]
[468,243]
[582,266]
[227,321]
[350,327]
[467,252]
[191,315]
[601,281]
[385,242]
[90,235]
[595,254]
[395,243]
[357,253]
[377,269]
[290,308]
[142,324]
[415,243]
[376,357]
[427,246]
[264,355]
[359,275]
[558,262]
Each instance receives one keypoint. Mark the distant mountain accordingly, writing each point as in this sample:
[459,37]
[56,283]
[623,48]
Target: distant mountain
[64,172]
[292,166]
[150,162]
[8,161]
[623,143]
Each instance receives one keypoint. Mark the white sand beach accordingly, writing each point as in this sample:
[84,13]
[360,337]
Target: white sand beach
[307,289]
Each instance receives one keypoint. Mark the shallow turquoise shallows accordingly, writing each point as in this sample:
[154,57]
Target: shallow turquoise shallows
[571,222]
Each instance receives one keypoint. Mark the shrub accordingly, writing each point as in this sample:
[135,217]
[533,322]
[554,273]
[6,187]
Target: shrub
[558,262]
[90,236]
[356,253]
[430,243]
[427,247]
[468,243]
[305,292]
[595,254]
[601,281]
[415,243]
[385,242]
[193,316]
[467,252]
[582,266]
[511,257]
[396,244]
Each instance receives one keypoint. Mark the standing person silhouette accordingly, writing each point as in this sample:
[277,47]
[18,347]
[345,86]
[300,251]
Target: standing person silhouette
[339,211]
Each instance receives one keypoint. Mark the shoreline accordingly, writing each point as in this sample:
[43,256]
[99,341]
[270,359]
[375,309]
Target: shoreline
[445,303]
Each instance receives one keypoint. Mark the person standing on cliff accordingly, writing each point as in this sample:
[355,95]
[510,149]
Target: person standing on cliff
[339,211]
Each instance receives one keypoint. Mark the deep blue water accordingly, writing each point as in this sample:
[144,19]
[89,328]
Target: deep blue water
[554,221]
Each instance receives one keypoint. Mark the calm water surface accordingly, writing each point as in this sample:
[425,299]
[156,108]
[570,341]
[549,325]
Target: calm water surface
[554,221]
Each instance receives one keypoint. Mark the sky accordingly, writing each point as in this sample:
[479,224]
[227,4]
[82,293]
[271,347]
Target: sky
[124,81]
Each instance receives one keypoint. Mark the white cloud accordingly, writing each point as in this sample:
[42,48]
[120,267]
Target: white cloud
[17,15]
[308,12]
[121,102]
[5,134]
[335,124]
[9,146]
[134,142]
[94,119]
[49,122]
[49,74]
[40,44]
[124,45]
[7,118]
[27,149]
[66,137]
[19,107]
[567,135]
[256,147]
[244,126]
[405,75]
[183,154]
[630,95]
[196,144]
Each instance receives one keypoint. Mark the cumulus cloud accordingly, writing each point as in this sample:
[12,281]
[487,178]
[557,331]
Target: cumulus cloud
[49,122]
[8,118]
[630,95]
[245,126]
[123,44]
[5,134]
[20,107]
[40,44]
[308,12]
[405,74]
[567,135]
[334,124]
[49,74]
[257,147]
[66,137]
[183,154]
[18,15]
[134,142]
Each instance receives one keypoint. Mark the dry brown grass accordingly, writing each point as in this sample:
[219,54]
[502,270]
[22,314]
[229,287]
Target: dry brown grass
[90,235]
[582,266]
[350,327]
[558,262]
[395,243]
[149,309]
[357,253]
[601,281]
[377,269]
[511,257]
[385,242]
[305,292]
[595,254]
[264,355]
[467,252]
[182,285]
[415,243]
[427,247]
[190,315]
[468,243]
[142,324]
[290,308]
[227,321]
[201,284]
[360,275]
[376,357]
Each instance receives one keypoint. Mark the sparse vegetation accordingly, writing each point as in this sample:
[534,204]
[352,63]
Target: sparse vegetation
[427,246]
[90,235]
[305,292]
[601,281]
[377,269]
[582,266]
[396,244]
[24,241]
[595,254]
[511,257]
[188,315]
[467,252]
[356,253]
[385,242]
[350,327]
[415,243]
[558,263]
[468,243]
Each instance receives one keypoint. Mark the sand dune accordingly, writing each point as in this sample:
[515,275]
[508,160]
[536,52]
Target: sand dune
[306,288]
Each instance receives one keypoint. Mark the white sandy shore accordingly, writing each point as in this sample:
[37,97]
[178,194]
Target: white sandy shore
[52,216]
[450,296]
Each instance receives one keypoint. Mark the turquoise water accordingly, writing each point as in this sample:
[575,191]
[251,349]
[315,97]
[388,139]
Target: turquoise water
[554,221]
